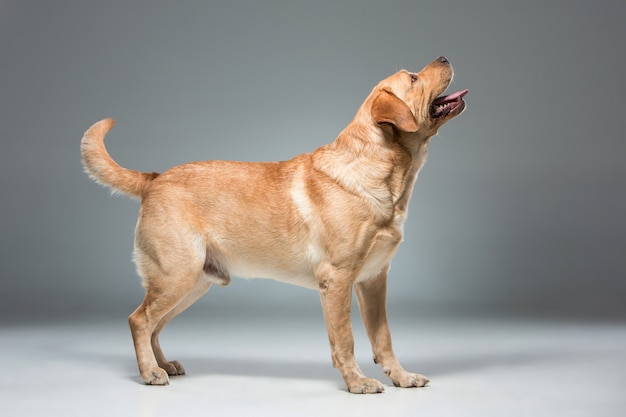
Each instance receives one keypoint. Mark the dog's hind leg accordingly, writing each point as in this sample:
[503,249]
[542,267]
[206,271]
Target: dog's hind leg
[159,306]
[175,367]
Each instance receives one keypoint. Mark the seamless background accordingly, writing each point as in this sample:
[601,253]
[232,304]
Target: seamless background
[519,210]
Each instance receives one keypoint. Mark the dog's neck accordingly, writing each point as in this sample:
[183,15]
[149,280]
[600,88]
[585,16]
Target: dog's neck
[414,150]
[377,166]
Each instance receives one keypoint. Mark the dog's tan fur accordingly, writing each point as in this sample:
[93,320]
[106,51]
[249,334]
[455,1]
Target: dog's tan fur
[329,220]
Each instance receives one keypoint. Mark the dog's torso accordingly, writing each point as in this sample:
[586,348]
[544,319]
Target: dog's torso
[309,211]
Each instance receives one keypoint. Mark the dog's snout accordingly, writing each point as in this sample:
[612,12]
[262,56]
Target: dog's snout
[443,60]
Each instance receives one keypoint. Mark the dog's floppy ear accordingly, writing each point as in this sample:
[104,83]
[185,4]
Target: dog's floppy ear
[388,108]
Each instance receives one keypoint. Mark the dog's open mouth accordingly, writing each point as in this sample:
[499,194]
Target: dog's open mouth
[451,104]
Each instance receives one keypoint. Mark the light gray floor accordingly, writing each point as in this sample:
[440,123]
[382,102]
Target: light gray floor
[281,367]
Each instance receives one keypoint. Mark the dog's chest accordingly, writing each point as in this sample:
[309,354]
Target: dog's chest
[382,248]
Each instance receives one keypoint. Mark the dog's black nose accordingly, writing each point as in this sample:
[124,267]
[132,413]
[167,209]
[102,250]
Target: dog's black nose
[443,60]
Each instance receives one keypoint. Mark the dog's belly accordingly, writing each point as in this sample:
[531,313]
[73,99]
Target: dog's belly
[293,264]
[295,276]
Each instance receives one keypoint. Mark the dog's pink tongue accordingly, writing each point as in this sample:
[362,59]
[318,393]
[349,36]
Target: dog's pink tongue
[452,97]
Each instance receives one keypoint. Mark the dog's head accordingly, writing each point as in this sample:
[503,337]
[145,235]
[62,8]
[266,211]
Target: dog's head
[408,102]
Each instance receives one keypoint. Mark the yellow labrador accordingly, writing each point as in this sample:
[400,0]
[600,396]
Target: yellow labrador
[329,220]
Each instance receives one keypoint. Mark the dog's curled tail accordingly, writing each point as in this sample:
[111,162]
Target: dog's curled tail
[104,170]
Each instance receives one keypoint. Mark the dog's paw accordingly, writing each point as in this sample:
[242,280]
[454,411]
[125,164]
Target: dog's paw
[155,376]
[173,368]
[406,379]
[365,386]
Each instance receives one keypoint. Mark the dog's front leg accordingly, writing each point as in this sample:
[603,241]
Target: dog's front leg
[372,295]
[336,295]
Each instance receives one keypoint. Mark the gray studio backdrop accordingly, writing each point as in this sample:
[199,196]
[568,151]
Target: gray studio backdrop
[519,210]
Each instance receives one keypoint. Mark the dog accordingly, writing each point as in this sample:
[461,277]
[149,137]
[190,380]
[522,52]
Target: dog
[329,220]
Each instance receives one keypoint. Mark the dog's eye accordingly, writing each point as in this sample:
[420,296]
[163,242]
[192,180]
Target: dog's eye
[413,78]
